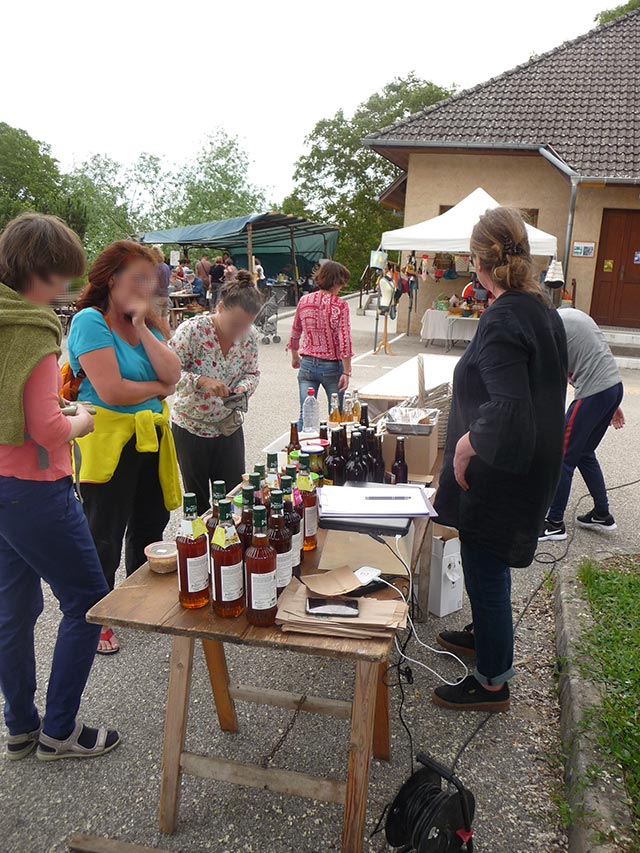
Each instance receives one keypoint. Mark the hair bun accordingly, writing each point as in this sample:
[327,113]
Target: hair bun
[245,279]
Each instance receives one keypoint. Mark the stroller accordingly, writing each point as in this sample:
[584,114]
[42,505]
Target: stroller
[267,320]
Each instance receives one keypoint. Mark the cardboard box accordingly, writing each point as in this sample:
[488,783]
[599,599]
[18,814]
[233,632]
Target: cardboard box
[420,452]
[446,582]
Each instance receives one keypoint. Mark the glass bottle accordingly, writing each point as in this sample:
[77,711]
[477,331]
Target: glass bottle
[356,468]
[364,415]
[256,482]
[273,479]
[292,471]
[357,408]
[379,470]
[293,522]
[310,502]
[344,442]
[324,431]
[334,463]
[334,411]
[294,441]
[219,492]
[193,556]
[347,408]
[245,527]
[281,539]
[260,574]
[260,468]
[399,469]
[370,439]
[227,575]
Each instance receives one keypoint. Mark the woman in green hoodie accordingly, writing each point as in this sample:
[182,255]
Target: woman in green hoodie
[44,535]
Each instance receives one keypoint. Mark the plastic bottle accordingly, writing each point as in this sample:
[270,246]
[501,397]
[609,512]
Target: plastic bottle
[310,413]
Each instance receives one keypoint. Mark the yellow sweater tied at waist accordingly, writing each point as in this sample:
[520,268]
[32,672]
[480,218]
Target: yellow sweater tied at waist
[101,450]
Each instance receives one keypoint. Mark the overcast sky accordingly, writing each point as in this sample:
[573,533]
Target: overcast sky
[124,77]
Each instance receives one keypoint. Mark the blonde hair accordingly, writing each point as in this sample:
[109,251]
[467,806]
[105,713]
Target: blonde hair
[500,243]
[158,253]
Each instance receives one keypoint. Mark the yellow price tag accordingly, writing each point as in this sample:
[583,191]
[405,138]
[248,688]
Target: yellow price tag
[198,527]
[218,537]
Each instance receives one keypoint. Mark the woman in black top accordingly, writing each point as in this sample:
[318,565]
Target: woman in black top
[503,452]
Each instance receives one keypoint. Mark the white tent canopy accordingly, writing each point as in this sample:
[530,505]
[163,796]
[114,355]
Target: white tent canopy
[451,231]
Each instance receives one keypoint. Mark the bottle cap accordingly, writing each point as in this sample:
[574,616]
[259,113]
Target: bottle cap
[219,489]
[259,516]
[310,392]
[286,484]
[189,503]
[272,460]
[224,509]
[303,459]
[247,495]
[276,499]
[259,468]
[254,480]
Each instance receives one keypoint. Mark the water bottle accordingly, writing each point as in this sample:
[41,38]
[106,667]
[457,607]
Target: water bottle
[310,413]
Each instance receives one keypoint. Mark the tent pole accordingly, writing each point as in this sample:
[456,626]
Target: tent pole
[250,247]
[324,240]
[293,257]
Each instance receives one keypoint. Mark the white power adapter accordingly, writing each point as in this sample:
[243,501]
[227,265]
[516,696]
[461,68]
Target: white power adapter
[366,574]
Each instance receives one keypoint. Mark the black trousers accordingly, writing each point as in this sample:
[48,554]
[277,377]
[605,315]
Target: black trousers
[131,504]
[203,460]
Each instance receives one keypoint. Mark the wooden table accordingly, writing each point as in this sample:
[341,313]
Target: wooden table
[149,602]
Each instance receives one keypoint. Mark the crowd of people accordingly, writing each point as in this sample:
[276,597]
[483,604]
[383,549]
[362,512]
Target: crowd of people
[502,462]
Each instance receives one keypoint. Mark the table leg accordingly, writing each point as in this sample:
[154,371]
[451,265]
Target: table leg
[175,726]
[219,678]
[362,716]
[381,734]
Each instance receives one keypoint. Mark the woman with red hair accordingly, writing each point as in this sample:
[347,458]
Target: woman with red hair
[128,472]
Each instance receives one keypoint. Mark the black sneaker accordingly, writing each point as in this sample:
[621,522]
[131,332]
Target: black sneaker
[470,695]
[554,530]
[593,521]
[459,642]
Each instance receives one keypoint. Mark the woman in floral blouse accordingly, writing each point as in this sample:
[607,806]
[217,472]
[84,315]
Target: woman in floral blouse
[219,355]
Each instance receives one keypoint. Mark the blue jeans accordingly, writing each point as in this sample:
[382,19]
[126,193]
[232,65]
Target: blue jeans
[315,372]
[586,424]
[44,535]
[488,583]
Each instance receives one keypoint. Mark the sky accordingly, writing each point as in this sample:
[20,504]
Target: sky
[120,78]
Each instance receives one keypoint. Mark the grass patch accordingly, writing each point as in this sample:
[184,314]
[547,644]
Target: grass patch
[612,658]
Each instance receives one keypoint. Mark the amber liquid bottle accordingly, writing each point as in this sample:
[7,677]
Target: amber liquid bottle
[245,525]
[334,463]
[357,408]
[219,493]
[260,574]
[193,557]
[273,477]
[256,483]
[324,431]
[294,523]
[294,441]
[334,414]
[399,469]
[310,503]
[280,538]
[227,574]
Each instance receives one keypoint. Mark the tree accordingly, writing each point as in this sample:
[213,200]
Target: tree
[339,180]
[611,14]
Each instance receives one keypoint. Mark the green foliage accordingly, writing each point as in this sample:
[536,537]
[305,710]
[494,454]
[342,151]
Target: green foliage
[611,14]
[612,649]
[339,180]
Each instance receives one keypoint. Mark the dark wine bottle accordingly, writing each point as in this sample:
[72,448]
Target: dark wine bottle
[334,464]
[356,467]
[399,469]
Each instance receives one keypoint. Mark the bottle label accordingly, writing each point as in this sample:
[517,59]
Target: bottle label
[225,535]
[193,527]
[272,480]
[263,591]
[297,497]
[284,567]
[231,581]
[198,573]
[296,547]
[304,483]
[310,521]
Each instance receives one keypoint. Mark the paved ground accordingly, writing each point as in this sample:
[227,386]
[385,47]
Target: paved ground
[511,767]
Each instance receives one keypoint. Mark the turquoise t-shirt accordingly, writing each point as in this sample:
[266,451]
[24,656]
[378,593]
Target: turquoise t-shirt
[89,331]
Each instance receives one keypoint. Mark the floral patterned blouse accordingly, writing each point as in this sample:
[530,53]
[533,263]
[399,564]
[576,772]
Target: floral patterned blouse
[196,343]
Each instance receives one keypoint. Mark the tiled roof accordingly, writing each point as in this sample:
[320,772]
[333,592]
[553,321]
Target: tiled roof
[582,99]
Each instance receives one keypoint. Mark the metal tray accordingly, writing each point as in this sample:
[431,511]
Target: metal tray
[414,429]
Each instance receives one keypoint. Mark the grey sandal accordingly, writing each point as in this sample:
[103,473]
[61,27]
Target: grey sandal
[51,749]
[19,746]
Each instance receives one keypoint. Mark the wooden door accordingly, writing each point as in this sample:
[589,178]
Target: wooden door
[616,288]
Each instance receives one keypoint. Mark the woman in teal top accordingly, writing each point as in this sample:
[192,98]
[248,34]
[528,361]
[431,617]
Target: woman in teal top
[127,367]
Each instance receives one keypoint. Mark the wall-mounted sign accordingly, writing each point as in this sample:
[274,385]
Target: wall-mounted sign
[608,265]
[584,250]
[636,257]
[174,258]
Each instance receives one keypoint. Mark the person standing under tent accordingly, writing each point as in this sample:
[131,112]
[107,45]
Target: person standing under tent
[320,342]
[594,374]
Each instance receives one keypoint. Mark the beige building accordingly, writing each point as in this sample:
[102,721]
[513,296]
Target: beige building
[558,137]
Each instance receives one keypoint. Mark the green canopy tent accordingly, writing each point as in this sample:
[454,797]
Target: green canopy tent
[284,243]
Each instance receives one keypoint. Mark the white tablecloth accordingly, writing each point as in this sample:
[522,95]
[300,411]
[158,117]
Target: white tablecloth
[441,326]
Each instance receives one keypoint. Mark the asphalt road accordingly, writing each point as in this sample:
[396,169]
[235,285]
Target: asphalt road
[512,766]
